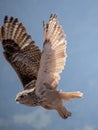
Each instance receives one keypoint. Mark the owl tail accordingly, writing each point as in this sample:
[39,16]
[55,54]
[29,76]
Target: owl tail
[69,95]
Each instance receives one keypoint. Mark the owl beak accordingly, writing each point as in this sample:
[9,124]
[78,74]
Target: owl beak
[17,100]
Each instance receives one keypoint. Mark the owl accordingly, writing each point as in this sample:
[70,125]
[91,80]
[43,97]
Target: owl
[39,71]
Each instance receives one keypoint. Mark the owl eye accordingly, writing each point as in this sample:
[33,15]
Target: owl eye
[22,96]
[30,93]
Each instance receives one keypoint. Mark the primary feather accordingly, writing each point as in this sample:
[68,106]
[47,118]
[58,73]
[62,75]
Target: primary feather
[20,51]
[53,56]
[38,71]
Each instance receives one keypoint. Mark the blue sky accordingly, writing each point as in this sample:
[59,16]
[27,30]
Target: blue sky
[79,19]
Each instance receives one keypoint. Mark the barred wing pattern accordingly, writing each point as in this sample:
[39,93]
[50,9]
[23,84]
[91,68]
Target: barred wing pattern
[53,56]
[20,51]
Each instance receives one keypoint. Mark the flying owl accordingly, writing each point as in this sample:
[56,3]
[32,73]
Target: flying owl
[38,71]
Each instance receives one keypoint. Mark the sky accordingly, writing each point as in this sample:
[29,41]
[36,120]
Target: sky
[79,19]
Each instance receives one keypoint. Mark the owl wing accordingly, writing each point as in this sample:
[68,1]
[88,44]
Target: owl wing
[20,51]
[53,56]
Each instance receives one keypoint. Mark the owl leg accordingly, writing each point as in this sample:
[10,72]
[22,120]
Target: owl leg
[62,111]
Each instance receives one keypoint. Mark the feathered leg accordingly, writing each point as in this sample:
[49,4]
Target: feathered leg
[62,111]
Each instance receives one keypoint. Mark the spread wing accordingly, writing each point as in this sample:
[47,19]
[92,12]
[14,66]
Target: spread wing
[53,56]
[20,51]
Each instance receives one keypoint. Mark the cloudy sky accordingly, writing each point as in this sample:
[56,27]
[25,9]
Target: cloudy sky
[79,19]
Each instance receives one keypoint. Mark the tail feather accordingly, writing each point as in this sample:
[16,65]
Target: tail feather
[69,95]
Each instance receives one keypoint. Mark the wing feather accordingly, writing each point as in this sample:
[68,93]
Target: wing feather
[53,56]
[20,51]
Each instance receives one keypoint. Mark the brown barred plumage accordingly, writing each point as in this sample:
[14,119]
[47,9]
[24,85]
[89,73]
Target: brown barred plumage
[20,51]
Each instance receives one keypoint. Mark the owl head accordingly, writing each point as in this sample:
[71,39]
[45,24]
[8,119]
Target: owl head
[27,97]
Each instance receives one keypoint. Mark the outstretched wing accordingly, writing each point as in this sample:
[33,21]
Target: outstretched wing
[20,51]
[53,56]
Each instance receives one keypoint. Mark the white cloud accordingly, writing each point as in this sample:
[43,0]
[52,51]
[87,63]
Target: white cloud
[37,119]
[5,122]
[87,127]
